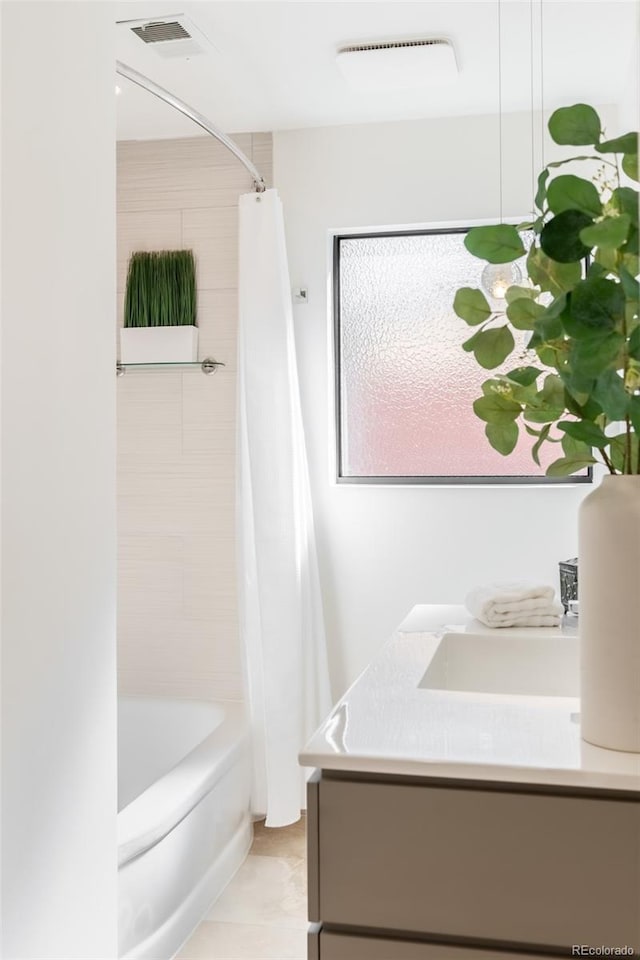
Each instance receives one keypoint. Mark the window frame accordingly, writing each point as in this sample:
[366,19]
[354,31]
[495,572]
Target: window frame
[393,480]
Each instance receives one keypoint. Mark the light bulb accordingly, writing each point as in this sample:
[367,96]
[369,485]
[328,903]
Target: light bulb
[496,278]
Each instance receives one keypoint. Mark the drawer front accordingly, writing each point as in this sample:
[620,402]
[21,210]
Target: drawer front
[534,869]
[338,946]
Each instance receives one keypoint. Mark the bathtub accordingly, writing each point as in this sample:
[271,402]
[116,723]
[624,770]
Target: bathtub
[184,826]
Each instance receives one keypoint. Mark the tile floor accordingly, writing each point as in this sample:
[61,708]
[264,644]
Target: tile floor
[262,914]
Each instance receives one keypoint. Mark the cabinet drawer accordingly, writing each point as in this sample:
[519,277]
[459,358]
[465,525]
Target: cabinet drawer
[535,869]
[338,946]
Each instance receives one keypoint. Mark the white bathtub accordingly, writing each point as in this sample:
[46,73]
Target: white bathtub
[184,826]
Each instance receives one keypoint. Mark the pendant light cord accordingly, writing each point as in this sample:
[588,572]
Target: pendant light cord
[542,127]
[533,144]
[542,80]
[500,102]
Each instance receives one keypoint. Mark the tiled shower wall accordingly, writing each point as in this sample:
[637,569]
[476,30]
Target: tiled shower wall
[177,619]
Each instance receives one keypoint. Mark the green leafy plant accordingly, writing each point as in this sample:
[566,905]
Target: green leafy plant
[161,289]
[578,381]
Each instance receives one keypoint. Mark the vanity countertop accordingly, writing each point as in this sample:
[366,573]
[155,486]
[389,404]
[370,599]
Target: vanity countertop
[387,724]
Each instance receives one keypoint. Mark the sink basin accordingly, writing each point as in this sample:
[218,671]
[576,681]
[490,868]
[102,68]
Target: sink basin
[529,666]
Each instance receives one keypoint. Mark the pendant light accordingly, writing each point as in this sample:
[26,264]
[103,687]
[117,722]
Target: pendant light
[496,278]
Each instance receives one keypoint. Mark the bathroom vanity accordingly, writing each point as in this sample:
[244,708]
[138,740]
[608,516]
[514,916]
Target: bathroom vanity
[456,814]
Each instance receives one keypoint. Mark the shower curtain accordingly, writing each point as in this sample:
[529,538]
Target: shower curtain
[281,623]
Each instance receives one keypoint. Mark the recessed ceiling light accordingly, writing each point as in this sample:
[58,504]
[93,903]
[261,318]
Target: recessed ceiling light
[118,90]
[398,64]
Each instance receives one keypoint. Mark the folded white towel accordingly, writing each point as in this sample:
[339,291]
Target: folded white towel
[532,605]
[522,610]
[516,604]
[551,620]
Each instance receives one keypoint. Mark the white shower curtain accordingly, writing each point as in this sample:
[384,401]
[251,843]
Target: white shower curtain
[281,621]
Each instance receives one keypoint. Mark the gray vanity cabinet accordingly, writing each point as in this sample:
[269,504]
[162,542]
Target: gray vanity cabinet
[326,945]
[418,869]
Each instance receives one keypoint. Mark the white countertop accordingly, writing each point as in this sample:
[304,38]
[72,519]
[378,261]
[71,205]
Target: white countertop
[386,724]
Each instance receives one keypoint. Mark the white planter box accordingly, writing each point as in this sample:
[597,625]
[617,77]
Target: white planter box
[159,344]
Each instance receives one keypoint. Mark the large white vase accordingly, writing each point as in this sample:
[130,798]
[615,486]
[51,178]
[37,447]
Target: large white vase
[609,593]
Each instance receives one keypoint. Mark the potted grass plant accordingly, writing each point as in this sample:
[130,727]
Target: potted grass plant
[578,386]
[160,308]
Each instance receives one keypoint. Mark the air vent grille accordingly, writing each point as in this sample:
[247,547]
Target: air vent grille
[393,45]
[388,65]
[161,32]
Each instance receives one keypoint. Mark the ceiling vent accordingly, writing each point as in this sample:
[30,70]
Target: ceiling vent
[161,32]
[171,37]
[398,64]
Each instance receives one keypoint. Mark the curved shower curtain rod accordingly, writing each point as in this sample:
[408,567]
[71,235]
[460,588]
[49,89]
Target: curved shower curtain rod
[188,111]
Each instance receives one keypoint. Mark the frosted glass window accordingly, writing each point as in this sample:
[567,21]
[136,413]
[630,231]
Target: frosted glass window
[405,387]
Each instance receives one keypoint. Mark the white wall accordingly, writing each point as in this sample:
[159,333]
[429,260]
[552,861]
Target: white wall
[177,609]
[383,549]
[629,108]
[58,482]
